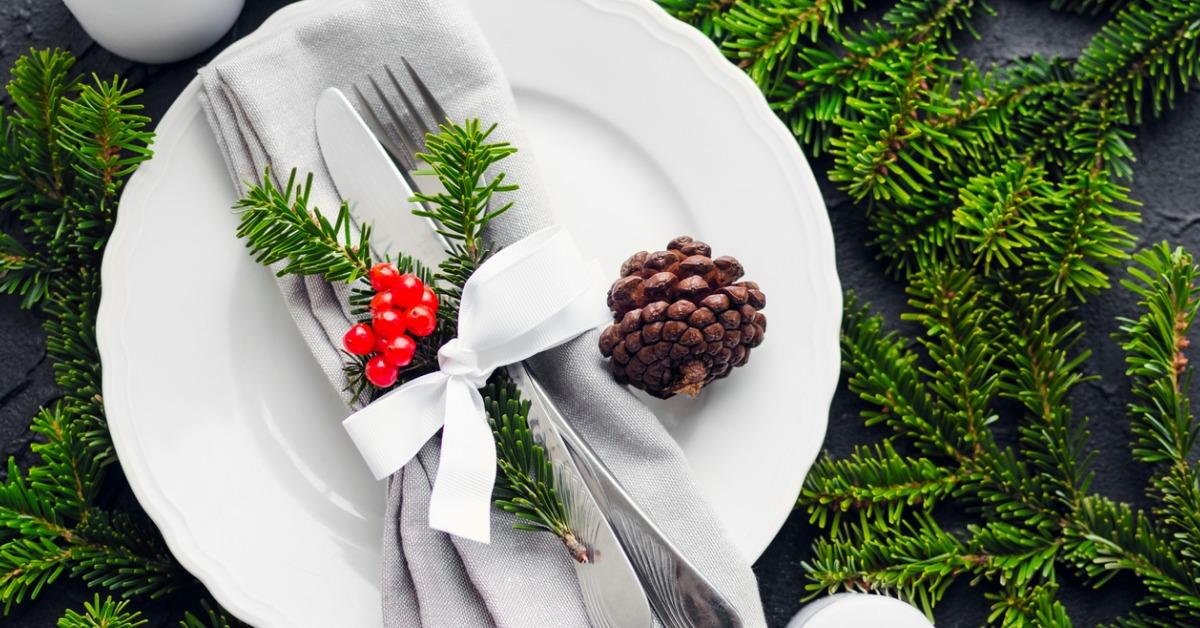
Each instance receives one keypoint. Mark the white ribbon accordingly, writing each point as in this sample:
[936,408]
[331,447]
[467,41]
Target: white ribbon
[529,297]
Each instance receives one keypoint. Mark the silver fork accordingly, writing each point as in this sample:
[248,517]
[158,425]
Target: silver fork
[679,593]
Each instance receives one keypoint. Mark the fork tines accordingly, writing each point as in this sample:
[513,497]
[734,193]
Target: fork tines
[408,113]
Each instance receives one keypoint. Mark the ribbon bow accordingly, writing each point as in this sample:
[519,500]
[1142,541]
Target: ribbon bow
[529,297]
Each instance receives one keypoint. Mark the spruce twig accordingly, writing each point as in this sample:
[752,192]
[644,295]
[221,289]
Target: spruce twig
[68,145]
[461,157]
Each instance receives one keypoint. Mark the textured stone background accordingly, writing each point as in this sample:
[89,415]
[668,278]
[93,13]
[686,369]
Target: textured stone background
[1167,183]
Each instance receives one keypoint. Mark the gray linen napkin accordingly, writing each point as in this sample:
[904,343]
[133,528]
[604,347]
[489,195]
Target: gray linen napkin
[259,97]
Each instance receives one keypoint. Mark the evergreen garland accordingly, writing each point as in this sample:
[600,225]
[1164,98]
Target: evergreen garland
[1000,198]
[66,148]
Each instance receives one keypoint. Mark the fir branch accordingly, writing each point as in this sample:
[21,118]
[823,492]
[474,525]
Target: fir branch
[883,372]
[1019,556]
[72,464]
[279,226]
[28,564]
[997,213]
[1142,56]
[460,156]
[526,480]
[107,137]
[67,149]
[762,35]
[107,614]
[41,83]
[1034,606]
[1046,366]
[830,74]
[965,382]
[703,14]
[875,481]
[1084,234]
[1110,538]
[916,561]
[124,555]
[209,618]
[883,122]
[1001,199]
[1154,343]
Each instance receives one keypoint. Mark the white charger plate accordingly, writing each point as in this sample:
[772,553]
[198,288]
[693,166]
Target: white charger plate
[230,434]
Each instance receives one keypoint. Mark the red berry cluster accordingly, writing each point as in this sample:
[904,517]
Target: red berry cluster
[402,307]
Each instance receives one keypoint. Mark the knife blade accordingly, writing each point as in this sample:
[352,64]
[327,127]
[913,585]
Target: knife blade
[606,580]
[680,593]
[366,177]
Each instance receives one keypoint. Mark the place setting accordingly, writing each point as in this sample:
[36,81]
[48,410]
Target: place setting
[456,313]
[498,341]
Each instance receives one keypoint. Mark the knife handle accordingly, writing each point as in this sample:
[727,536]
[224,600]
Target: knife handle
[679,593]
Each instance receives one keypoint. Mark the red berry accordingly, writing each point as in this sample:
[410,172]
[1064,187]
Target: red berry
[421,320]
[359,339]
[385,300]
[429,299]
[399,350]
[380,372]
[384,276]
[407,291]
[388,323]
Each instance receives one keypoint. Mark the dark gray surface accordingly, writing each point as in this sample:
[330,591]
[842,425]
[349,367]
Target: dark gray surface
[1167,182]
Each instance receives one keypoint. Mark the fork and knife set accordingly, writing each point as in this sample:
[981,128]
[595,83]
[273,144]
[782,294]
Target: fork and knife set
[631,566]
[351,92]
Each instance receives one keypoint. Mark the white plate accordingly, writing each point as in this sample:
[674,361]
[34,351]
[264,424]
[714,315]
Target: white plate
[231,436]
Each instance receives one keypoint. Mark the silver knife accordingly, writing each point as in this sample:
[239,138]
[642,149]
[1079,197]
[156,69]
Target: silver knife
[363,173]
[605,580]
[679,593]
[366,178]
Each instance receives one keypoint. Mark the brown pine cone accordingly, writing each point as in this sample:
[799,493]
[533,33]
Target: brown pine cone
[681,319]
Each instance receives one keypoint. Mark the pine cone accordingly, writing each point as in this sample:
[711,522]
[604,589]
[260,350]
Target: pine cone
[681,319]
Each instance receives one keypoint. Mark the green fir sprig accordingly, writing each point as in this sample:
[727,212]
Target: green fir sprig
[460,156]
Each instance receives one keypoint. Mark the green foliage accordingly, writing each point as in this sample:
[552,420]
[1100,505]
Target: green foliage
[1000,197]
[107,614]
[1154,343]
[209,618]
[284,230]
[525,484]
[933,144]
[68,147]
[460,156]
[279,226]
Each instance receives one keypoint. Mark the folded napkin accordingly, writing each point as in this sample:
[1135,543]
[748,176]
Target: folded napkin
[259,96]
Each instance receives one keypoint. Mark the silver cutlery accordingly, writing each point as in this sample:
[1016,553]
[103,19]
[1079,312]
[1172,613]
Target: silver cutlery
[678,592]
[613,596]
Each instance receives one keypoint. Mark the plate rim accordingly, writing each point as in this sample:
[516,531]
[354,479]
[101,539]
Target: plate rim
[114,301]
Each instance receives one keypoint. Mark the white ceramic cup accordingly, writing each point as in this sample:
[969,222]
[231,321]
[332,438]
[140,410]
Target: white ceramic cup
[155,31]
